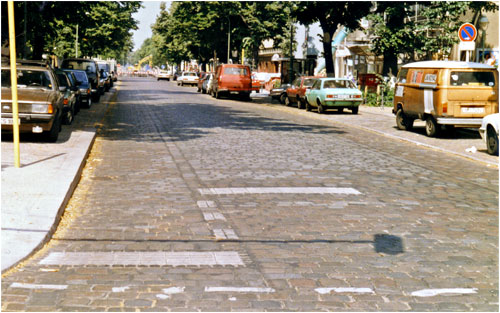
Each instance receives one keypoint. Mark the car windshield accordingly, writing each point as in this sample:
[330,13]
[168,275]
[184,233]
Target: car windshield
[337,84]
[190,74]
[28,79]
[235,71]
[309,82]
[79,65]
[472,79]
[81,77]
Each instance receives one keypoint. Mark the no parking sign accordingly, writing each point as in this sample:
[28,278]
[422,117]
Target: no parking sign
[467,32]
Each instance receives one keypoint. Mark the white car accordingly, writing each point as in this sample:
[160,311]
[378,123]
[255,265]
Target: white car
[163,75]
[489,132]
[187,78]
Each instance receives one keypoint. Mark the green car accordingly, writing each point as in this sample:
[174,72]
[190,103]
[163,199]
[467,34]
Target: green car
[333,93]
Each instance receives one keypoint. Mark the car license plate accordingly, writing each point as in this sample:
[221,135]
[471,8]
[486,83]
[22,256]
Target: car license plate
[472,110]
[9,121]
[234,92]
[343,96]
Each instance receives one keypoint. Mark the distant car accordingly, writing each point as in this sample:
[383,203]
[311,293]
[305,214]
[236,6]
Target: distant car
[187,78]
[39,96]
[92,69]
[106,80]
[162,74]
[489,132]
[70,97]
[75,88]
[296,93]
[205,87]
[84,86]
[279,92]
[333,93]
[201,78]
[233,79]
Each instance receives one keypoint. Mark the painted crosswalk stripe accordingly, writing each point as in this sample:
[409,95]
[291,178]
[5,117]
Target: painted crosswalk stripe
[223,258]
[211,216]
[239,289]
[435,292]
[225,234]
[278,190]
[324,291]
[206,204]
[38,286]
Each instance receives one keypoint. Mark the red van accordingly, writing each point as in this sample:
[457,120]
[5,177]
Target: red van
[232,79]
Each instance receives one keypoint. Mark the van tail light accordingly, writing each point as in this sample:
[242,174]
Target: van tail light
[50,108]
[65,101]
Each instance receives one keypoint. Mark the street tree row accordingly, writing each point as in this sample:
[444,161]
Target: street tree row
[199,29]
[103,28]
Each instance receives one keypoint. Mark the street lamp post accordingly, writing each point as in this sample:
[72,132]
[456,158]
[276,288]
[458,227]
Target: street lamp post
[228,39]
[483,24]
[76,42]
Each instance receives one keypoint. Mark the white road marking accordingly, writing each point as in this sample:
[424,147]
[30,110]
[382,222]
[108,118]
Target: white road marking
[225,234]
[324,291]
[120,289]
[239,289]
[435,292]
[162,296]
[144,258]
[206,204]
[173,290]
[38,286]
[283,190]
[211,216]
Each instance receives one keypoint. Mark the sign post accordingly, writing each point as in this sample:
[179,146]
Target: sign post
[467,34]
[13,84]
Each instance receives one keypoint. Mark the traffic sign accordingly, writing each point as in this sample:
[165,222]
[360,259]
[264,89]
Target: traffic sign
[467,32]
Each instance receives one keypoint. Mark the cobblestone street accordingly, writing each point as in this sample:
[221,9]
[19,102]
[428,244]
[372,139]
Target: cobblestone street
[188,203]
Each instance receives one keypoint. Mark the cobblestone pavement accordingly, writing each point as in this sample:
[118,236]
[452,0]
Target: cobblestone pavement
[188,203]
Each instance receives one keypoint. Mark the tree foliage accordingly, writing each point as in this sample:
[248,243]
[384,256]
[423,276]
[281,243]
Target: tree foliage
[103,27]
[331,15]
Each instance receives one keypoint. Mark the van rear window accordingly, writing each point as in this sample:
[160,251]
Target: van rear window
[235,71]
[472,79]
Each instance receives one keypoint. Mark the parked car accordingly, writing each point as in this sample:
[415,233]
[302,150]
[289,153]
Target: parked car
[445,93]
[70,99]
[279,91]
[206,86]
[201,79]
[105,79]
[104,65]
[333,93]
[162,74]
[187,78]
[84,86]
[75,88]
[40,99]
[489,132]
[233,79]
[296,93]
[92,69]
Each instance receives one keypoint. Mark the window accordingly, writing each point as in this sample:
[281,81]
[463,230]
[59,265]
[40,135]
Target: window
[296,82]
[338,84]
[316,85]
[235,71]
[28,79]
[402,75]
[79,65]
[309,82]
[472,79]
[63,81]
[81,77]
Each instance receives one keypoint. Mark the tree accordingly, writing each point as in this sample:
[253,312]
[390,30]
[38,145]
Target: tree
[330,15]
[104,27]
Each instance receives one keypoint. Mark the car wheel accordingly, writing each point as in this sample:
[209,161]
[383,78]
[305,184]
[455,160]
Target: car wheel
[299,104]
[321,109]
[287,101]
[431,127]
[217,95]
[282,98]
[69,116]
[308,106]
[355,110]
[491,141]
[340,110]
[89,102]
[53,133]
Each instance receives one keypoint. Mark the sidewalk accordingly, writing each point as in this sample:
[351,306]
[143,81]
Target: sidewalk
[35,195]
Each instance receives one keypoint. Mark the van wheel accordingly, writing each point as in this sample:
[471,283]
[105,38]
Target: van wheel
[491,141]
[431,127]
[403,122]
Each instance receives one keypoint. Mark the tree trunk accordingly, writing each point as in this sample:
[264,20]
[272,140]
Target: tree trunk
[390,63]
[327,51]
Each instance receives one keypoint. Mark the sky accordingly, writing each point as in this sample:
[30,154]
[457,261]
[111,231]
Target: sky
[146,17]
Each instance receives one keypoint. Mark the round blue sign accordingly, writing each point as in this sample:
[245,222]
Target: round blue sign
[467,32]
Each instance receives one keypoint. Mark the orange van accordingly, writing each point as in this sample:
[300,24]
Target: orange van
[232,79]
[445,93]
